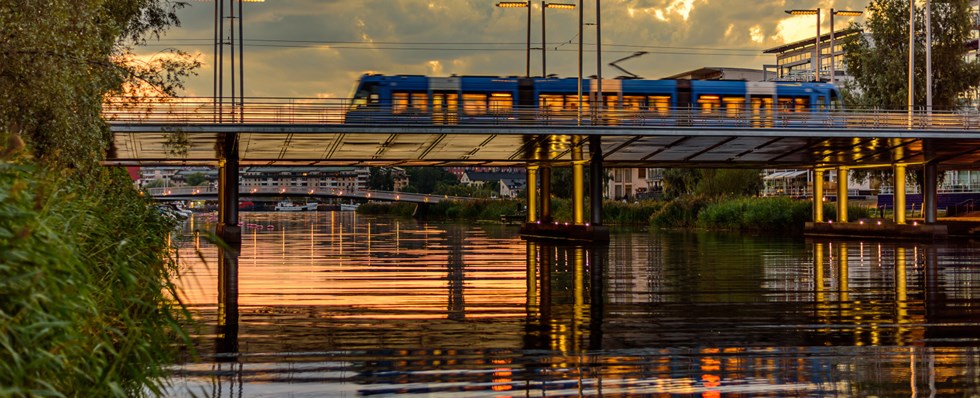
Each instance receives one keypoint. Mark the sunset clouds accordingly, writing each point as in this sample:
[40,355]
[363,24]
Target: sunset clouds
[309,48]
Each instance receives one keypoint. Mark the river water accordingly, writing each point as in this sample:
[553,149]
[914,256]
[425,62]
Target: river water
[336,304]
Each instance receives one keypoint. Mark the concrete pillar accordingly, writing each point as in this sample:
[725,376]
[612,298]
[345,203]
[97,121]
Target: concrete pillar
[546,194]
[578,183]
[817,195]
[228,229]
[532,193]
[929,189]
[841,194]
[595,179]
[899,184]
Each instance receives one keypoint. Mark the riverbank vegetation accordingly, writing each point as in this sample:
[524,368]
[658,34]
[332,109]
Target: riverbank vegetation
[84,274]
[86,306]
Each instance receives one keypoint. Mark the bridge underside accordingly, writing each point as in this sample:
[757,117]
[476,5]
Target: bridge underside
[341,145]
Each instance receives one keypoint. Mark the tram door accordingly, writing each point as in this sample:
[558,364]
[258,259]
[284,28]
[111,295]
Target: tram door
[762,103]
[445,107]
[761,111]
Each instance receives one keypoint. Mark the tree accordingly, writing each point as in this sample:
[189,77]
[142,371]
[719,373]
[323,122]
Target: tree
[679,182]
[196,179]
[59,59]
[425,179]
[730,182]
[711,182]
[381,179]
[879,62]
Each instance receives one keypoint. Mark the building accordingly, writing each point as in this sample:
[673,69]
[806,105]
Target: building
[346,178]
[722,73]
[794,61]
[633,183]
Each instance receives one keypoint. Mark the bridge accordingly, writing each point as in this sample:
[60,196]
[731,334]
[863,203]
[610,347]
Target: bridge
[211,193]
[313,132]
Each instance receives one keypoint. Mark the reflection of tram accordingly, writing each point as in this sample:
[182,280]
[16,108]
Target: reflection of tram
[479,99]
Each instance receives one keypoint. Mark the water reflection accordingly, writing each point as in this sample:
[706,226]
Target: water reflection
[335,304]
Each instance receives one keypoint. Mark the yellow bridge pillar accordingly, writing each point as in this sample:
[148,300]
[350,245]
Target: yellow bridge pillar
[532,193]
[899,196]
[817,195]
[578,183]
[842,194]
[545,194]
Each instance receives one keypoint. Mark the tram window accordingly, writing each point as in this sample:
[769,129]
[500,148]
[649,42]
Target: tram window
[761,103]
[501,102]
[632,102]
[785,104]
[420,102]
[822,103]
[835,102]
[399,102]
[571,103]
[550,102]
[802,104]
[709,103]
[659,104]
[611,100]
[475,104]
[733,105]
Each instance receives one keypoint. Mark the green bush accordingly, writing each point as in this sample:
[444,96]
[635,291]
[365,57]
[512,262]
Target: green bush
[778,214]
[617,212]
[84,281]
[679,213]
[854,212]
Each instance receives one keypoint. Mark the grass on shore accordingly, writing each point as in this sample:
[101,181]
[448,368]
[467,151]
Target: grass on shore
[84,278]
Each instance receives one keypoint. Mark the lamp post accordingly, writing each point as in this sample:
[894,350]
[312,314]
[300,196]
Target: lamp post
[544,43]
[833,48]
[816,53]
[527,50]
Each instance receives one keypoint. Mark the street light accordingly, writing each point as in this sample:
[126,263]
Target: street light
[833,59]
[544,42]
[527,50]
[816,60]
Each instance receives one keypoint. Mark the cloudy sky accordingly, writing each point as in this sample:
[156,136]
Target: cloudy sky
[318,48]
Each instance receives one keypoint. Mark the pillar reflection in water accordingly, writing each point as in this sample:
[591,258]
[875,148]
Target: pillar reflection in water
[455,235]
[565,297]
[227,328]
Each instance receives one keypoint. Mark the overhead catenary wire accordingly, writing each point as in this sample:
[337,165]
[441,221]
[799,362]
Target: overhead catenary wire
[471,46]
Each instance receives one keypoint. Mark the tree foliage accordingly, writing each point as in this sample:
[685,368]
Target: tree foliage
[711,182]
[426,179]
[60,58]
[879,61]
[380,178]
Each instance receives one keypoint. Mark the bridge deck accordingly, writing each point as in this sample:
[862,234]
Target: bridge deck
[315,135]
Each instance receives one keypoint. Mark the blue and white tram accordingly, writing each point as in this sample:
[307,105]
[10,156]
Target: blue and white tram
[494,100]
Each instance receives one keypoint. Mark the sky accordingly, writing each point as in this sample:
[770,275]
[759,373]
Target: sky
[319,48]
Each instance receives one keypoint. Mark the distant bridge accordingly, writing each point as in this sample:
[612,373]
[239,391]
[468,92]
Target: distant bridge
[211,193]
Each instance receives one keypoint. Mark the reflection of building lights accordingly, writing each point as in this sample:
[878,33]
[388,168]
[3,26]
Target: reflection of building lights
[830,221]
[861,222]
[879,222]
[915,223]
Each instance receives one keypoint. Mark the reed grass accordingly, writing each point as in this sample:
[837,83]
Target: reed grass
[84,286]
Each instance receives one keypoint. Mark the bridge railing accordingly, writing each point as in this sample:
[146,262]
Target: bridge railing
[338,111]
[184,192]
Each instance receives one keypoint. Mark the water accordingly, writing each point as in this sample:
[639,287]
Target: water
[336,304]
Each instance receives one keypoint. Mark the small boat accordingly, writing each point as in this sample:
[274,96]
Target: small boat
[349,206]
[287,205]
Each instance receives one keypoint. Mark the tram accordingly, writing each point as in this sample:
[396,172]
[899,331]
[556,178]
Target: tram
[548,100]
